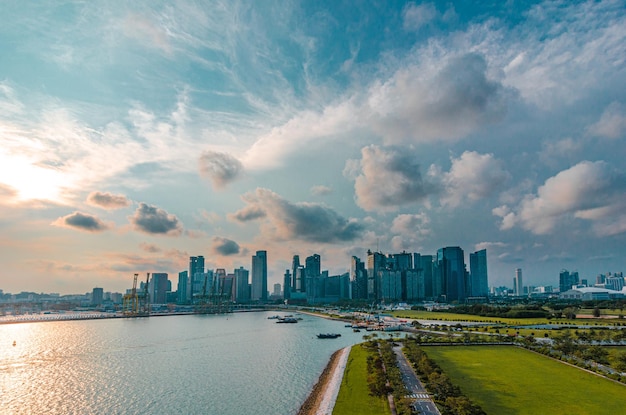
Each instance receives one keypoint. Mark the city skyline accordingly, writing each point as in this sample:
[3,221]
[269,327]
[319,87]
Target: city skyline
[135,136]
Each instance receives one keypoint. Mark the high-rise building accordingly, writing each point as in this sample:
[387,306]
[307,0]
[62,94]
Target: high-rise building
[196,275]
[242,290]
[97,296]
[158,288]
[312,272]
[287,285]
[567,280]
[432,290]
[479,285]
[358,279]
[518,283]
[296,285]
[376,261]
[183,288]
[259,276]
[450,270]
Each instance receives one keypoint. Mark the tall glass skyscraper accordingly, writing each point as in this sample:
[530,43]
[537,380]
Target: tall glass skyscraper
[479,285]
[196,275]
[259,276]
[451,272]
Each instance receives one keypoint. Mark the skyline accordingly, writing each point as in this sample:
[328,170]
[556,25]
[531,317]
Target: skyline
[137,135]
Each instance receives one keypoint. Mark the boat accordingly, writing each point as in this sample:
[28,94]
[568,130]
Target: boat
[356,330]
[287,320]
[273,317]
[328,335]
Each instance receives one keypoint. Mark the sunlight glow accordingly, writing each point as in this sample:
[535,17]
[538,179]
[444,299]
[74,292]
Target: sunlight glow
[30,181]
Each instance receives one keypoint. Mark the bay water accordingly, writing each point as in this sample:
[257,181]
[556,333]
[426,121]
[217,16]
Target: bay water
[233,364]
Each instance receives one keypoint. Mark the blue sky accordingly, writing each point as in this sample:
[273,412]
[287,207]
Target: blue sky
[135,134]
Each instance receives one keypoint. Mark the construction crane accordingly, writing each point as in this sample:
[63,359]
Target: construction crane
[137,304]
[212,302]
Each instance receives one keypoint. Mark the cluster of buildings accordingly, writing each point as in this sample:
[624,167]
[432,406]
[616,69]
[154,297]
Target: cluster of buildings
[403,277]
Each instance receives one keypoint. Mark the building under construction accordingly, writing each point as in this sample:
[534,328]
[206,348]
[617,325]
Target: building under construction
[136,303]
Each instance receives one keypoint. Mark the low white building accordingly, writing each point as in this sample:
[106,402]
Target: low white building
[591,293]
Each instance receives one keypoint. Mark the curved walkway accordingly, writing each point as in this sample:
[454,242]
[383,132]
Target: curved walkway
[333,384]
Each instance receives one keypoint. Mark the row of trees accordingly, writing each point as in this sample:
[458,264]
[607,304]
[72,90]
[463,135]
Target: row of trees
[447,395]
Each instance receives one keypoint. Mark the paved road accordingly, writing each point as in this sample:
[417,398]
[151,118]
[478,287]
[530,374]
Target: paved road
[422,401]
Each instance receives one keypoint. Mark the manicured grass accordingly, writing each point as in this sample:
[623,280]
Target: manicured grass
[354,398]
[509,380]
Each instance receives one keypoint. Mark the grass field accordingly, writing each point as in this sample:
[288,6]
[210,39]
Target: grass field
[510,380]
[354,398]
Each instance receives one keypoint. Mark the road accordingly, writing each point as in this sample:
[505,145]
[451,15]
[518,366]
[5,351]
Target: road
[422,401]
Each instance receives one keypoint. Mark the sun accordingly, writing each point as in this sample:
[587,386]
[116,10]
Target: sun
[30,180]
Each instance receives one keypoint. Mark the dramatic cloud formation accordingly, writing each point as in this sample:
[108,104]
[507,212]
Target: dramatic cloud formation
[107,200]
[81,221]
[153,220]
[219,168]
[305,221]
[224,246]
[410,230]
[472,176]
[589,190]
[417,106]
[388,178]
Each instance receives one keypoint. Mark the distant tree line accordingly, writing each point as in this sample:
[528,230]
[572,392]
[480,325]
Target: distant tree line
[486,310]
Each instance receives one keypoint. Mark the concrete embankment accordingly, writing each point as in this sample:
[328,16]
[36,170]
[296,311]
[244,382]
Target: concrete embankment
[324,394]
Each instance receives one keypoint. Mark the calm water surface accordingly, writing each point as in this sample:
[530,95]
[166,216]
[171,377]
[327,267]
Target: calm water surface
[240,363]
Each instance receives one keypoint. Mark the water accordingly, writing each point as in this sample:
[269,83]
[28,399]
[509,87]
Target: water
[241,363]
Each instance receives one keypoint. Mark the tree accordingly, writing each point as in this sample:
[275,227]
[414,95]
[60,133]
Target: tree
[596,312]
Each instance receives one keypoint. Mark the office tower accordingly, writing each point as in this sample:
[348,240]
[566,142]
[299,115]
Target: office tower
[277,290]
[312,272]
[376,261]
[183,288]
[518,283]
[287,284]
[300,279]
[196,275]
[242,290]
[358,278]
[400,262]
[296,285]
[414,285]
[450,268]
[390,285]
[567,280]
[431,290]
[479,286]
[97,296]
[158,288]
[259,276]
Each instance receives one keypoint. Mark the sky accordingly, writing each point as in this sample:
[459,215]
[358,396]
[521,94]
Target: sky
[136,134]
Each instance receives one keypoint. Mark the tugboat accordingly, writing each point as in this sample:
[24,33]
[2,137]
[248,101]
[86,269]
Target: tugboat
[328,335]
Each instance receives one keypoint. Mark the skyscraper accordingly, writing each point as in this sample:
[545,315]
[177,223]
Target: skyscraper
[567,280]
[259,276]
[518,283]
[358,278]
[242,283]
[375,262]
[296,285]
[158,288]
[97,296]
[312,272]
[287,285]
[479,286]
[183,288]
[196,275]
[451,272]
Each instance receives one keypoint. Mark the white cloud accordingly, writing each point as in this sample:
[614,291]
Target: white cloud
[472,176]
[612,123]
[591,191]
[415,16]
[388,179]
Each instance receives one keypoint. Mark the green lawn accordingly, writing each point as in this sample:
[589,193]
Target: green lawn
[509,380]
[354,398]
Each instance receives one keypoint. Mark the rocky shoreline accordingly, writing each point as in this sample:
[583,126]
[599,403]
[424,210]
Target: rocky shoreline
[313,401]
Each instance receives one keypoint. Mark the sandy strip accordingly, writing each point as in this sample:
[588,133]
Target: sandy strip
[322,399]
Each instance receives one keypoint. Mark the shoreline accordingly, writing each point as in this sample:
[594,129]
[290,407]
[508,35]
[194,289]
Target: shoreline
[322,398]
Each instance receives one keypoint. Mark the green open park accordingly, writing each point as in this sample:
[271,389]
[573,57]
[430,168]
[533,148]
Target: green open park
[507,380]
[354,397]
